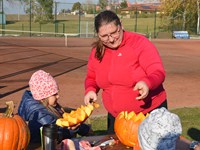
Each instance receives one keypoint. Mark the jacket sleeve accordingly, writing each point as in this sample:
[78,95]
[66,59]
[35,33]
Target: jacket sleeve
[45,117]
[90,81]
[30,109]
[151,62]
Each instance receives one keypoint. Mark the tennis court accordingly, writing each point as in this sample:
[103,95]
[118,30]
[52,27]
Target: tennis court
[20,57]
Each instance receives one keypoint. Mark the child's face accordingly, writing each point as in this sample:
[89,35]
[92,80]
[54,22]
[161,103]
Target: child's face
[52,100]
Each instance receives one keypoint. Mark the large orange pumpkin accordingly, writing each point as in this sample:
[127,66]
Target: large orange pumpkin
[126,128]
[14,132]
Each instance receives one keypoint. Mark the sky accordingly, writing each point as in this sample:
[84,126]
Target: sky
[83,1]
[19,9]
[95,1]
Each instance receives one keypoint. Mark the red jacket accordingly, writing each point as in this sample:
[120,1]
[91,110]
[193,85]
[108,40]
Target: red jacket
[135,59]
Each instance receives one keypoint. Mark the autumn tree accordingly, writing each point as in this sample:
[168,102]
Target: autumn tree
[182,13]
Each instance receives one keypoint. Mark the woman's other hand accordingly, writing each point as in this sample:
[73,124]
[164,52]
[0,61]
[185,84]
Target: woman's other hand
[143,90]
[91,95]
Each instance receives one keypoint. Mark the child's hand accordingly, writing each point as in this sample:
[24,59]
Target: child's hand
[74,127]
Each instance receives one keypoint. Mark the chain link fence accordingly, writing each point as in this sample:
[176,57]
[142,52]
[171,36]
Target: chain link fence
[16,20]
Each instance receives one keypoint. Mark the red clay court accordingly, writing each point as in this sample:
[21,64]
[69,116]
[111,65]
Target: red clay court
[20,57]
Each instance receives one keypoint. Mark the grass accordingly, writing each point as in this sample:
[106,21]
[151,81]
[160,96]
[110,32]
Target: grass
[189,118]
[72,24]
[190,122]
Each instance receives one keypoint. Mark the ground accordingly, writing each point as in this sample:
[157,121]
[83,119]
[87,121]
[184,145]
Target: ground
[66,61]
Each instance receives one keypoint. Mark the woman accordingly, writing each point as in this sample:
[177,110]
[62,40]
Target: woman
[127,67]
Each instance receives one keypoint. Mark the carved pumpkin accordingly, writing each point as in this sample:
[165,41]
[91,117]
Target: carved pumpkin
[76,116]
[14,132]
[126,128]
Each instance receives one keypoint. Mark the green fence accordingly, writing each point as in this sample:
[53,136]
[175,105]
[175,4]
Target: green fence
[77,23]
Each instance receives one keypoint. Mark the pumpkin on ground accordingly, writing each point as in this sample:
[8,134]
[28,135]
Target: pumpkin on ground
[76,116]
[14,132]
[126,128]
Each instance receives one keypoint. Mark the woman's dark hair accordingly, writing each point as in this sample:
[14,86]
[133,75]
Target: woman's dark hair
[103,18]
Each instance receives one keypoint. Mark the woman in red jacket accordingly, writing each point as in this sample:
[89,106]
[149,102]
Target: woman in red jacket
[127,67]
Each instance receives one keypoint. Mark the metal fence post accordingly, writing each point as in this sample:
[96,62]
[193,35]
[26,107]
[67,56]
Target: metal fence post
[30,18]
[155,24]
[79,21]
[136,20]
[22,29]
[55,19]
[94,12]
[2,23]
[63,28]
[40,29]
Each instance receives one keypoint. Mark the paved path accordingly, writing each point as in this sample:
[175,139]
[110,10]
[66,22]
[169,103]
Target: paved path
[20,57]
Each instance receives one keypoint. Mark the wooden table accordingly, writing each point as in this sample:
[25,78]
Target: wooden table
[91,139]
[181,144]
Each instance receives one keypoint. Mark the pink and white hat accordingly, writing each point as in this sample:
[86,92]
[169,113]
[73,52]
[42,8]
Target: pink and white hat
[42,85]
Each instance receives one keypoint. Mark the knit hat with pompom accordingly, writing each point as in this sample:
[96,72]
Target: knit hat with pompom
[42,85]
[160,130]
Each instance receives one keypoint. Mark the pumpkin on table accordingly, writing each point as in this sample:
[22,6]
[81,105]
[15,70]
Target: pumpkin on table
[126,128]
[14,132]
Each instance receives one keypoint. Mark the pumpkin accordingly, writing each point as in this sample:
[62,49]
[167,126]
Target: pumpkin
[126,128]
[14,132]
[76,116]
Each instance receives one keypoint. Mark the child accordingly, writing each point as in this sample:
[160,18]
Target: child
[161,130]
[39,106]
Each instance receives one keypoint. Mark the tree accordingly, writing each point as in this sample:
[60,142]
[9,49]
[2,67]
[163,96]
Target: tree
[89,7]
[124,4]
[181,12]
[103,4]
[76,6]
[41,10]
[198,18]
[46,10]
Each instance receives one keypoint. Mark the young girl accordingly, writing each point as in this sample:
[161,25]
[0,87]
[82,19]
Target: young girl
[39,107]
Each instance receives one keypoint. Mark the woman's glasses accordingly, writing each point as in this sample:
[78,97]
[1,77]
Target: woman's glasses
[114,35]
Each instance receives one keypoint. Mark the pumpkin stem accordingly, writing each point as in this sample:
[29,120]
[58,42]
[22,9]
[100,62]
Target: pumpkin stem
[10,109]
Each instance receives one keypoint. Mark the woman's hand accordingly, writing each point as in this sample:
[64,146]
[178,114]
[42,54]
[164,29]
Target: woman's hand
[91,95]
[143,90]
